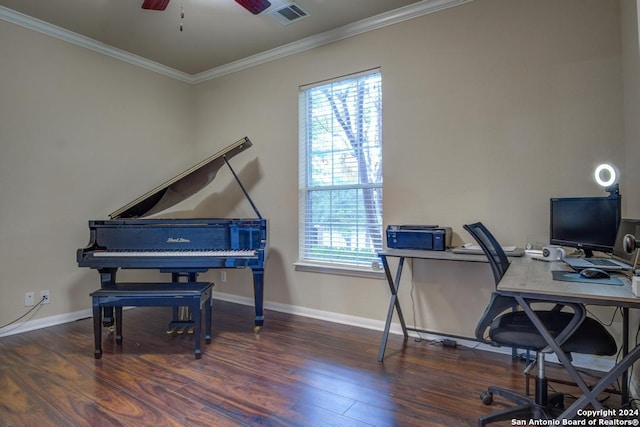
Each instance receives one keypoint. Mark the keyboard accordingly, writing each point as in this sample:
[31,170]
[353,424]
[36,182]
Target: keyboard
[602,262]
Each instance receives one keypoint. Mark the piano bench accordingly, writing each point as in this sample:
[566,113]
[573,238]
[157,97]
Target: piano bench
[190,294]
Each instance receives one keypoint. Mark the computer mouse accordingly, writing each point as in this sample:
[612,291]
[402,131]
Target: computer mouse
[594,273]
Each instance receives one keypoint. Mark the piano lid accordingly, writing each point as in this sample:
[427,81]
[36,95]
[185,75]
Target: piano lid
[182,186]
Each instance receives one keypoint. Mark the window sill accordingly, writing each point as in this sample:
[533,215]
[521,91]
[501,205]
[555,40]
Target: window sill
[339,270]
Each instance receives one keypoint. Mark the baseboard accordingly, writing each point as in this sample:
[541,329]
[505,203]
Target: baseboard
[45,322]
[581,361]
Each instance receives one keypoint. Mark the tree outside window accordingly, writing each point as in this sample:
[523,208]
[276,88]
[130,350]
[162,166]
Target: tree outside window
[341,171]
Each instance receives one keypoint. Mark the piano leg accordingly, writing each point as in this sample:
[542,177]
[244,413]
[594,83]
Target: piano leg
[107,279]
[258,294]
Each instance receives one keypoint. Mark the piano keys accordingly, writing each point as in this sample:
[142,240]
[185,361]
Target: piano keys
[184,247]
[177,253]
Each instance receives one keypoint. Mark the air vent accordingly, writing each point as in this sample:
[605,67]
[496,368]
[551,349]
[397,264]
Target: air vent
[290,12]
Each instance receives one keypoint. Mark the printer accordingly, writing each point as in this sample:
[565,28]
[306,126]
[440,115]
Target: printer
[419,237]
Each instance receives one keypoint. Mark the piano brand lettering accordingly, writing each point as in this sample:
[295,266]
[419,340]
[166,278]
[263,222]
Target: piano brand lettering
[178,240]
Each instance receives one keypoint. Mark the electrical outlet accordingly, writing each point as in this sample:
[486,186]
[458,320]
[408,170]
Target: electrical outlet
[223,276]
[44,297]
[29,299]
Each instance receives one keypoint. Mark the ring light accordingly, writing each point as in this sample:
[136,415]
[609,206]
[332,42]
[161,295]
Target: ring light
[605,175]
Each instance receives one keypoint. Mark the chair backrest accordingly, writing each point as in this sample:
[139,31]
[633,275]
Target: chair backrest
[499,264]
[497,258]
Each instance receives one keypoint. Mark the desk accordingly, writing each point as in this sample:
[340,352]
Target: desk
[402,254]
[529,280]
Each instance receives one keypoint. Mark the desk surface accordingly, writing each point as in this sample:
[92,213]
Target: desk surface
[532,278]
[447,255]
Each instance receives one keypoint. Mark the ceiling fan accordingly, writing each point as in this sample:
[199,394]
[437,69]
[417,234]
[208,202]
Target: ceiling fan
[253,6]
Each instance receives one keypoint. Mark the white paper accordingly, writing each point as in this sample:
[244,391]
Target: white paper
[474,247]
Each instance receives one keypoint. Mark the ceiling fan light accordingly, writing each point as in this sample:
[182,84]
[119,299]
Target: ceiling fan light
[254,6]
[155,4]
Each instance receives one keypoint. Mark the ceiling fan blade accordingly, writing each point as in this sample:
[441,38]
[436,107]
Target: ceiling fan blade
[155,4]
[254,6]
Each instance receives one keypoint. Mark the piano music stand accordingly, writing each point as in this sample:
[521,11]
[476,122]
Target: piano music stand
[190,294]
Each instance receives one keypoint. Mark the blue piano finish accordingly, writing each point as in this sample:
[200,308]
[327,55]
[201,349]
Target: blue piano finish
[183,247]
[169,244]
[196,296]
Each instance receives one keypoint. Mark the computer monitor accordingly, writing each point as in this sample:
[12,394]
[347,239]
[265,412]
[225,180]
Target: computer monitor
[588,223]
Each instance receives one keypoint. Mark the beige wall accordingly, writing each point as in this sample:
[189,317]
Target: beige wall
[81,134]
[630,14]
[490,108]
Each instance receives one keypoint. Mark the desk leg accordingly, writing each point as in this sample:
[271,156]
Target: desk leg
[619,369]
[393,303]
[625,351]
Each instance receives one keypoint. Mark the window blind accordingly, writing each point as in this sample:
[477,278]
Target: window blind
[341,171]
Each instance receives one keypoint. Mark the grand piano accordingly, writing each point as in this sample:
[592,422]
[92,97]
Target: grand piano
[182,247]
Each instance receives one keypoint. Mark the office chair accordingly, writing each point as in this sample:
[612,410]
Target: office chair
[509,327]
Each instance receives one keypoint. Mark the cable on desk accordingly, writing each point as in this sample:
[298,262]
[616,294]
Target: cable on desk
[616,311]
[443,342]
[413,316]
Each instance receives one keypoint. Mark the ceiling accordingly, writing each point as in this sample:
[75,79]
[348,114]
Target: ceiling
[215,32]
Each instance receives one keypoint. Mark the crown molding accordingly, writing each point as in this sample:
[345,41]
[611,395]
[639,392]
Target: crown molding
[415,10]
[34,24]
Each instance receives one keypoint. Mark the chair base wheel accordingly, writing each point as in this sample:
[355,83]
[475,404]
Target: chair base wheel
[486,397]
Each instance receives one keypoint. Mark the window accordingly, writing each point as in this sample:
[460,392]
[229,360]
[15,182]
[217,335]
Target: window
[341,171]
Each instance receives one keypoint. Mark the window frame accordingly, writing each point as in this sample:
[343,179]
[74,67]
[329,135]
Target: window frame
[336,266]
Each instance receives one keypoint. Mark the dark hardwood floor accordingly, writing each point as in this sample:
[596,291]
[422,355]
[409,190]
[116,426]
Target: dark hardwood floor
[296,372]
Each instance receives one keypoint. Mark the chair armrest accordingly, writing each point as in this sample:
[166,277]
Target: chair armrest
[579,314]
[497,305]
[500,303]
